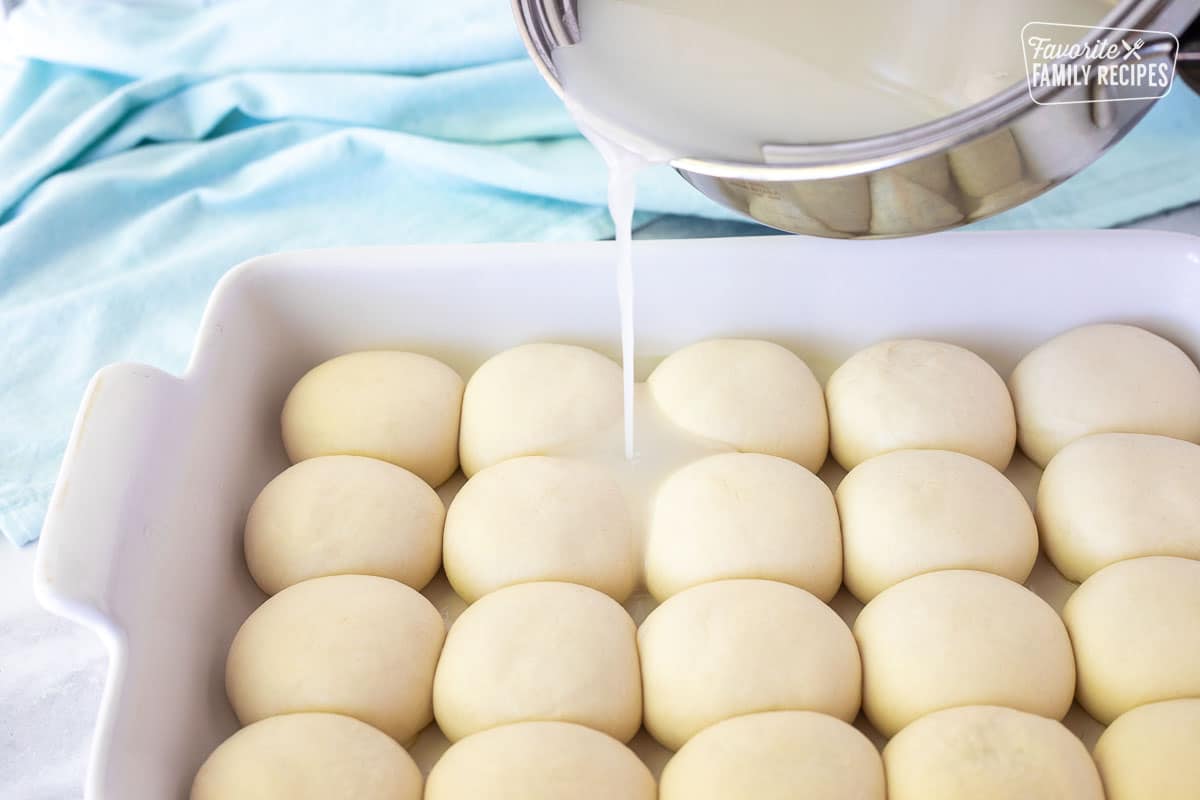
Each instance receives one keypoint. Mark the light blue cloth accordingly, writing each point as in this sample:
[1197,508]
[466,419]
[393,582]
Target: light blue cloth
[145,149]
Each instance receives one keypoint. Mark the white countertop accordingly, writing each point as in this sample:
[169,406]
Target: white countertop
[52,671]
[51,676]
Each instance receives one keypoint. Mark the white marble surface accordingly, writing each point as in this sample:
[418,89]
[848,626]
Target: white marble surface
[52,671]
[51,676]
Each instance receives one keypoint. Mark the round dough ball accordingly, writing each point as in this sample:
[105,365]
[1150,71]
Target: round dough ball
[540,519]
[724,649]
[540,651]
[531,399]
[1103,379]
[1149,753]
[308,757]
[743,515]
[779,755]
[909,512]
[989,753]
[961,638]
[752,395]
[1136,630]
[357,645]
[344,515]
[920,395]
[540,761]
[397,407]
[1114,496]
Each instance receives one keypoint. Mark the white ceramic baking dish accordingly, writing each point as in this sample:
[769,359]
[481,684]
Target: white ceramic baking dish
[142,542]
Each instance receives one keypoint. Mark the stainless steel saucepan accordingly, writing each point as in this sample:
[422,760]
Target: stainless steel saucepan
[975,163]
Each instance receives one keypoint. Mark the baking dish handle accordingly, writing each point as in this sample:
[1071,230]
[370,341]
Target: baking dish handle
[126,412]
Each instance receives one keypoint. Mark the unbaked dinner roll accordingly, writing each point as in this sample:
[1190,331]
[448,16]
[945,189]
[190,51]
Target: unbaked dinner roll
[344,515]
[540,519]
[1150,752]
[385,404]
[959,638]
[528,400]
[988,753]
[777,755]
[916,394]
[308,757]
[357,645]
[752,395]
[1113,496]
[540,651]
[909,512]
[540,761]
[724,649]
[1104,379]
[1136,630]
[743,515]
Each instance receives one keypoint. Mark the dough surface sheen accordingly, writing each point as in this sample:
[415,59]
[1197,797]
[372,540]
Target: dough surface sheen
[777,755]
[743,515]
[357,645]
[753,395]
[540,651]
[728,648]
[915,394]
[344,515]
[1103,379]
[1136,629]
[960,638]
[989,753]
[540,761]
[308,757]
[386,404]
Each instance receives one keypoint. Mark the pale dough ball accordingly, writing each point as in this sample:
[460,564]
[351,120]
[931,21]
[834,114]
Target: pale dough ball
[357,645]
[1136,630]
[916,394]
[540,761]
[540,519]
[394,406]
[779,755]
[743,515]
[724,649]
[1104,379]
[540,651]
[909,512]
[308,757]
[961,638]
[989,753]
[344,515]
[1113,496]
[1151,752]
[752,395]
[528,400]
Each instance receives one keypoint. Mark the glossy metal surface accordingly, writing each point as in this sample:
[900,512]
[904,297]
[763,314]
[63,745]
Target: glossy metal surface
[964,167]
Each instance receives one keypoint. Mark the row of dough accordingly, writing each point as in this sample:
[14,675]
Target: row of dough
[1104,498]
[377,650]
[368,648]
[731,515]
[753,396]
[982,752]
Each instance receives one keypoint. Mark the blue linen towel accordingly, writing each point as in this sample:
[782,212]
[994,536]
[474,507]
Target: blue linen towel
[145,149]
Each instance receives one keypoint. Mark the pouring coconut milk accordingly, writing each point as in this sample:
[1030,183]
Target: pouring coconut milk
[652,81]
